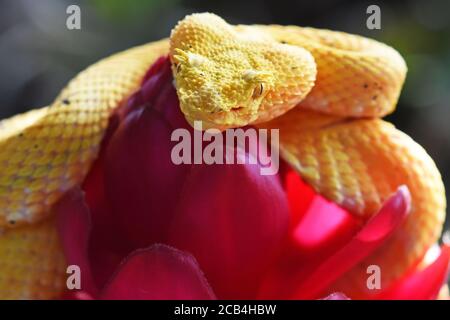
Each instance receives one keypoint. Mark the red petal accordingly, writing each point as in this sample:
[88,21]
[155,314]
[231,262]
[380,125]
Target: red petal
[374,234]
[421,284]
[157,66]
[106,248]
[94,184]
[159,77]
[233,220]
[153,81]
[92,243]
[158,273]
[74,227]
[141,180]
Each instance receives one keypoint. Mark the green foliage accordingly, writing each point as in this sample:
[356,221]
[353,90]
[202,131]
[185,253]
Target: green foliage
[129,9]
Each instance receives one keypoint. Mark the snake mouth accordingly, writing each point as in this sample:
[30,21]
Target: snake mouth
[233,117]
[237,109]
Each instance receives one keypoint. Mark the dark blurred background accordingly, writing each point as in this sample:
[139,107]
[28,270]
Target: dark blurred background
[38,54]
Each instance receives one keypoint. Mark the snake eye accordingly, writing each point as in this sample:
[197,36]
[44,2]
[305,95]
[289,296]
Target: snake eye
[178,67]
[258,91]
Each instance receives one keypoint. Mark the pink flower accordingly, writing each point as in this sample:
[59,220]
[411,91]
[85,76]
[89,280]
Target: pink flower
[141,227]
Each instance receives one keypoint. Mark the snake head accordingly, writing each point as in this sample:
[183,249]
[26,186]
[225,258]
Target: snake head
[230,78]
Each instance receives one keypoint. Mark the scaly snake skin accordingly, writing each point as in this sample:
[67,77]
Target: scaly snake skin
[324,90]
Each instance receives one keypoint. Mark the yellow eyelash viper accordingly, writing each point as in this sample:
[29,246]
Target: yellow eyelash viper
[326,91]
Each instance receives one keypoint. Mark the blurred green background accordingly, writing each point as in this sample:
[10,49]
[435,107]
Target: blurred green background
[38,54]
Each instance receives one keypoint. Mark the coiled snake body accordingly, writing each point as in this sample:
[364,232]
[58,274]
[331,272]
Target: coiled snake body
[326,91]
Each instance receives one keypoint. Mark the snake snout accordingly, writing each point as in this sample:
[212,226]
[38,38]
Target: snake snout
[233,77]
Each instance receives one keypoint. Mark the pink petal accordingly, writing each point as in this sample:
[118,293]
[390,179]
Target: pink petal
[300,195]
[157,273]
[302,275]
[422,284]
[77,295]
[74,227]
[318,229]
[324,228]
[233,220]
[373,235]
[336,296]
